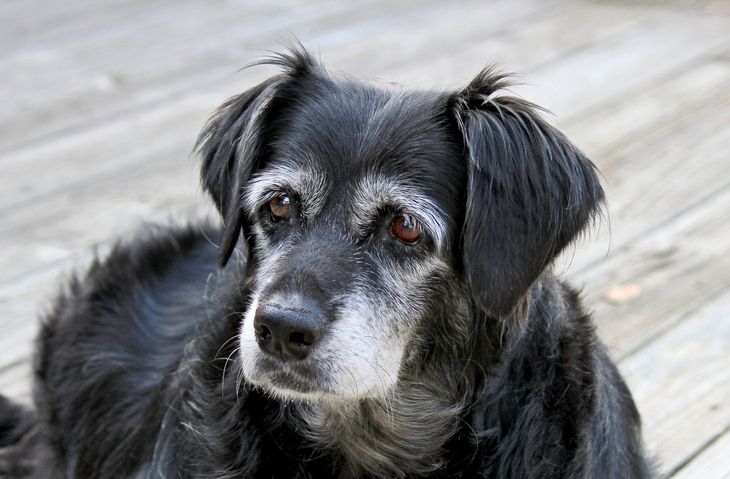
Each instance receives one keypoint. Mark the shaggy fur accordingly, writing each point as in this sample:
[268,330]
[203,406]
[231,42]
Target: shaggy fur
[458,355]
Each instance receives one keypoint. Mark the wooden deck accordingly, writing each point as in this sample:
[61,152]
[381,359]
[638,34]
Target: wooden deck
[102,101]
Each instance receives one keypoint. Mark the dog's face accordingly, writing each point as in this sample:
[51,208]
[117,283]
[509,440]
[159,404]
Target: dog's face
[351,222]
[373,216]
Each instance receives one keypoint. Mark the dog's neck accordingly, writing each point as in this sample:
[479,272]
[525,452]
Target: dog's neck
[385,437]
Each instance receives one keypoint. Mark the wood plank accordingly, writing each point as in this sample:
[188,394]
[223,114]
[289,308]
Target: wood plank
[26,22]
[711,463]
[677,132]
[108,208]
[15,382]
[681,383]
[154,60]
[54,85]
[661,45]
[648,111]
[674,270]
[541,41]
[170,85]
[68,163]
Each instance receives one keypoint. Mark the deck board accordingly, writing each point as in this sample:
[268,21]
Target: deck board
[682,383]
[102,102]
[649,128]
[712,463]
[141,63]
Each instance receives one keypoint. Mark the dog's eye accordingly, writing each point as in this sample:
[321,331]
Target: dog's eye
[280,206]
[406,228]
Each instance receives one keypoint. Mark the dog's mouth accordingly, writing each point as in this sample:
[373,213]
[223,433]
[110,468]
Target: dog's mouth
[289,378]
[291,382]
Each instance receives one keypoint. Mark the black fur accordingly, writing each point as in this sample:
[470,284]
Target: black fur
[532,208]
[138,370]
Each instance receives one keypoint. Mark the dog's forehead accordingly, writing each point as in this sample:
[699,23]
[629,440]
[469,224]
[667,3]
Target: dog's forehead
[350,133]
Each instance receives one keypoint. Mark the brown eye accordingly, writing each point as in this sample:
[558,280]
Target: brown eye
[406,228]
[280,207]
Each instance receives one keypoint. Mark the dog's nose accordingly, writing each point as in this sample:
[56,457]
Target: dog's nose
[288,331]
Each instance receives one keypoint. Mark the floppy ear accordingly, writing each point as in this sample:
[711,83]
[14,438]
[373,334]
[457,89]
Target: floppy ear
[231,148]
[232,143]
[529,192]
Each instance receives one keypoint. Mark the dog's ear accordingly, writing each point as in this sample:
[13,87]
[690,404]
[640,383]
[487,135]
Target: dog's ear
[231,147]
[529,192]
[232,143]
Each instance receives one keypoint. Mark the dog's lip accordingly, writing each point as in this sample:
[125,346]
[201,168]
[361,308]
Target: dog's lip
[292,376]
[284,380]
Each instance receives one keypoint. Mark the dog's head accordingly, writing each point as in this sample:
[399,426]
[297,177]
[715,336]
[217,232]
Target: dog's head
[372,215]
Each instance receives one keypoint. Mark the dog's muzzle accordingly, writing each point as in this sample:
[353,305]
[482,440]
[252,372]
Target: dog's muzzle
[288,328]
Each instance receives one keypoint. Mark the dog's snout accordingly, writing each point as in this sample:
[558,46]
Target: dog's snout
[288,331]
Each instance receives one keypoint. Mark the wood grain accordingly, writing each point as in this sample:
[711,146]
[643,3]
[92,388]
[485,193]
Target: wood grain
[711,463]
[681,383]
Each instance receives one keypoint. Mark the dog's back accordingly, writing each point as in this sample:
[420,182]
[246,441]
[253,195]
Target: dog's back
[107,350]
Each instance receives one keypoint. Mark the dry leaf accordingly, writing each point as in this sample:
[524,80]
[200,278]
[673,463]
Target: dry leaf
[622,293]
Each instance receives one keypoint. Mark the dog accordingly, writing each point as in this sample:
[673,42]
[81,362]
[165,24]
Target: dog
[378,303]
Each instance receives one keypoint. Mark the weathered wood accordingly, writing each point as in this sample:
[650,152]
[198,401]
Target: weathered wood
[27,23]
[677,268]
[15,382]
[543,38]
[663,45]
[681,383]
[152,59]
[653,129]
[711,463]
[80,78]
[648,111]
[106,206]
[166,133]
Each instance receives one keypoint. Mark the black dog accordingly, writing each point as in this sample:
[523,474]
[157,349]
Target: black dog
[389,310]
